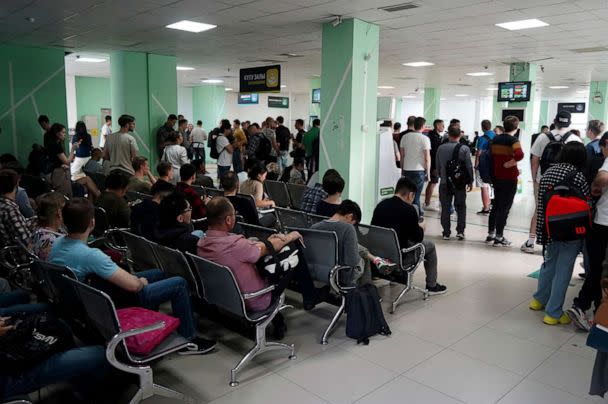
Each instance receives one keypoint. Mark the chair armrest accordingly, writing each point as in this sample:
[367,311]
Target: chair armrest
[415,247]
[334,279]
[419,260]
[120,337]
[259,293]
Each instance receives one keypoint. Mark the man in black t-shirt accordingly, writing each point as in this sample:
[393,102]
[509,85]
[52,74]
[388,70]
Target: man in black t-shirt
[435,136]
[283,139]
[399,214]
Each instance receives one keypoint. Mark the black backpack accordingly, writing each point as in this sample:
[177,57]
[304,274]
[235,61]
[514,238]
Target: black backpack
[549,156]
[456,170]
[264,148]
[595,160]
[364,314]
[212,143]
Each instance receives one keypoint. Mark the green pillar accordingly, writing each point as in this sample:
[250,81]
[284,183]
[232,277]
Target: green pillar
[314,109]
[349,142]
[598,110]
[145,86]
[525,72]
[208,105]
[544,113]
[399,112]
[32,83]
[432,98]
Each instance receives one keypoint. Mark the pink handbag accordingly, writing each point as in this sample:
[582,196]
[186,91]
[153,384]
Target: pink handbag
[138,317]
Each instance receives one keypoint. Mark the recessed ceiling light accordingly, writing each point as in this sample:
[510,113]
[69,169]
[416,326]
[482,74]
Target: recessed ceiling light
[442,99]
[492,89]
[581,91]
[558,87]
[191,26]
[418,64]
[212,81]
[90,60]
[408,96]
[461,95]
[480,74]
[283,86]
[228,89]
[386,87]
[316,75]
[379,94]
[522,24]
[184,68]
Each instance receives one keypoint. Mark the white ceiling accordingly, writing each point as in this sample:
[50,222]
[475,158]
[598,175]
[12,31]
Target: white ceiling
[458,35]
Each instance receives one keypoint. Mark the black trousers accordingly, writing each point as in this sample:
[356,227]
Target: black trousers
[504,192]
[591,292]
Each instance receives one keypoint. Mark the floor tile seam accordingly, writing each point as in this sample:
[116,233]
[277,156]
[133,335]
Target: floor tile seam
[435,389]
[527,339]
[241,385]
[303,388]
[396,376]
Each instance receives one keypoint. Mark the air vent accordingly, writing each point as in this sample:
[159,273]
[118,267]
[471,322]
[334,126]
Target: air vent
[405,78]
[399,7]
[270,61]
[290,55]
[590,50]
[460,85]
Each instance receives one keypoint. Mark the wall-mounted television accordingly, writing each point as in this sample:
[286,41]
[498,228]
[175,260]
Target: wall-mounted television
[249,98]
[518,112]
[316,96]
[514,91]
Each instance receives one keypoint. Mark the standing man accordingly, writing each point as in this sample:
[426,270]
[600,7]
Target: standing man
[435,138]
[121,147]
[199,138]
[240,141]
[283,139]
[506,152]
[182,128]
[163,132]
[451,193]
[106,130]
[224,150]
[270,134]
[561,134]
[416,159]
[410,127]
[483,146]
[309,139]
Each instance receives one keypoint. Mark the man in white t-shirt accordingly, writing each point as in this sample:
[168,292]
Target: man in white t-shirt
[561,133]
[416,158]
[224,149]
[121,147]
[105,131]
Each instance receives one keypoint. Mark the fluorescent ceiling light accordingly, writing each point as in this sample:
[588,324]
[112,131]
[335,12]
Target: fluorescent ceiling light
[522,24]
[408,96]
[283,86]
[184,68]
[191,26]
[443,99]
[212,81]
[480,74]
[90,60]
[581,91]
[418,64]
[228,89]
[492,88]
[386,87]
[558,87]
[461,95]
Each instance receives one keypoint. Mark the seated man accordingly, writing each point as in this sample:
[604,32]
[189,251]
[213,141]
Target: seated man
[399,214]
[113,201]
[240,254]
[187,174]
[151,287]
[165,172]
[14,228]
[202,180]
[142,180]
[10,162]
[333,185]
[230,184]
[175,228]
[313,195]
[94,164]
[50,223]
[146,214]
[350,252]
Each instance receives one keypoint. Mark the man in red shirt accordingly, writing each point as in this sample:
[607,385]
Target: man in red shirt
[506,152]
[187,175]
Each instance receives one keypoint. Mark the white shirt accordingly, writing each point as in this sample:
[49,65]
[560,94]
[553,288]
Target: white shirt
[415,144]
[601,207]
[105,131]
[543,140]
[199,135]
[225,158]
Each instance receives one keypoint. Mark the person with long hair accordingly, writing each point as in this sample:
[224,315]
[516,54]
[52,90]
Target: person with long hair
[254,186]
[59,162]
[82,155]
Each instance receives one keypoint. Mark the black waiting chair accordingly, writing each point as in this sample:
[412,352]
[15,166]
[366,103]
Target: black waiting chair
[200,191]
[134,197]
[221,290]
[296,194]
[384,243]
[314,219]
[258,232]
[139,252]
[200,224]
[277,191]
[101,314]
[15,265]
[174,263]
[98,178]
[245,206]
[291,218]
[211,192]
[102,225]
[321,255]
[34,185]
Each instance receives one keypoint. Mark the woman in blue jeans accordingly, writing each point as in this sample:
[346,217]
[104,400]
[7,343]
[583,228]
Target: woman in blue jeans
[559,256]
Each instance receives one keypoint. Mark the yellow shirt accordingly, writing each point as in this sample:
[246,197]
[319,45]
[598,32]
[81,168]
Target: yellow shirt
[240,137]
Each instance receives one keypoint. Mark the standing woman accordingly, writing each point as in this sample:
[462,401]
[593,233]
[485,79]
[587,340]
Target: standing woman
[82,155]
[175,154]
[59,176]
[559,256]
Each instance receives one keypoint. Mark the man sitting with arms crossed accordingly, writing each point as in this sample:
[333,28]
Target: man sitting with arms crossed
[398,213]
[152,287]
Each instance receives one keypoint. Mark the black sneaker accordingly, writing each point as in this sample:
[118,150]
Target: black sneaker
[582,275]
[460,236]
[203,346]
[501,242]
[484,212]
[490,239]
[578,318]
[438,289]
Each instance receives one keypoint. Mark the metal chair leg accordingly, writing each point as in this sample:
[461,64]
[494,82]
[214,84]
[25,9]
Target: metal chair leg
[406,289]
[425,292]
[138,397]
[334,321]
[163,391]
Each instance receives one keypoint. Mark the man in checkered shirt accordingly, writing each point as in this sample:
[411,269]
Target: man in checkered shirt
[14,227]
[313,195]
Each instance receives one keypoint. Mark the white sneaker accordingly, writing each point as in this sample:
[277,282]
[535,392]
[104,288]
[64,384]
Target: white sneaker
[527,248]
[431,206]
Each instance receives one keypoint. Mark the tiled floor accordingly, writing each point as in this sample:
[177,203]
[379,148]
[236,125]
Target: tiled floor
[477,344]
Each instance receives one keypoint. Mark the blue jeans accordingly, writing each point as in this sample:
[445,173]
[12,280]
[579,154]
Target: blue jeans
[418,178]
[555,275]
[83,367]
[221,170]
[283,160]
[161,289]
[236,161]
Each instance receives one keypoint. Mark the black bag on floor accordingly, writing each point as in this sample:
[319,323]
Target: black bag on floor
[364,314]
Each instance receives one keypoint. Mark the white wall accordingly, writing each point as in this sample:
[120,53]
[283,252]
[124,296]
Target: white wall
[184,102]
[298,108]
[579,121]
[70,94]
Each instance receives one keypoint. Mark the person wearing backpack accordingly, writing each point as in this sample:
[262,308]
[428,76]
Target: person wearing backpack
[483,149]
[544,154]
[456,173]
[562,188]
[595,157]
[224,150]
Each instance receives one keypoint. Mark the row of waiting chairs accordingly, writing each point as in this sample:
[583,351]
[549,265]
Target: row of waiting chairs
[285,195]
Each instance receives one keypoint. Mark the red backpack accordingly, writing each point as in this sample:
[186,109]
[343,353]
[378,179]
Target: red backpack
[568,215]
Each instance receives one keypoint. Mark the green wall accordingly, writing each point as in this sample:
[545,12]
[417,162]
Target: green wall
[208,105]
[598,110]
[32,82]
[92,94]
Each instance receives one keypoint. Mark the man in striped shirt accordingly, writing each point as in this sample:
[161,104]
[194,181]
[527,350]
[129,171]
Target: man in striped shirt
[506,152]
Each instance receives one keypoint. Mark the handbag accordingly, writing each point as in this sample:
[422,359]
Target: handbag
[138,317]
